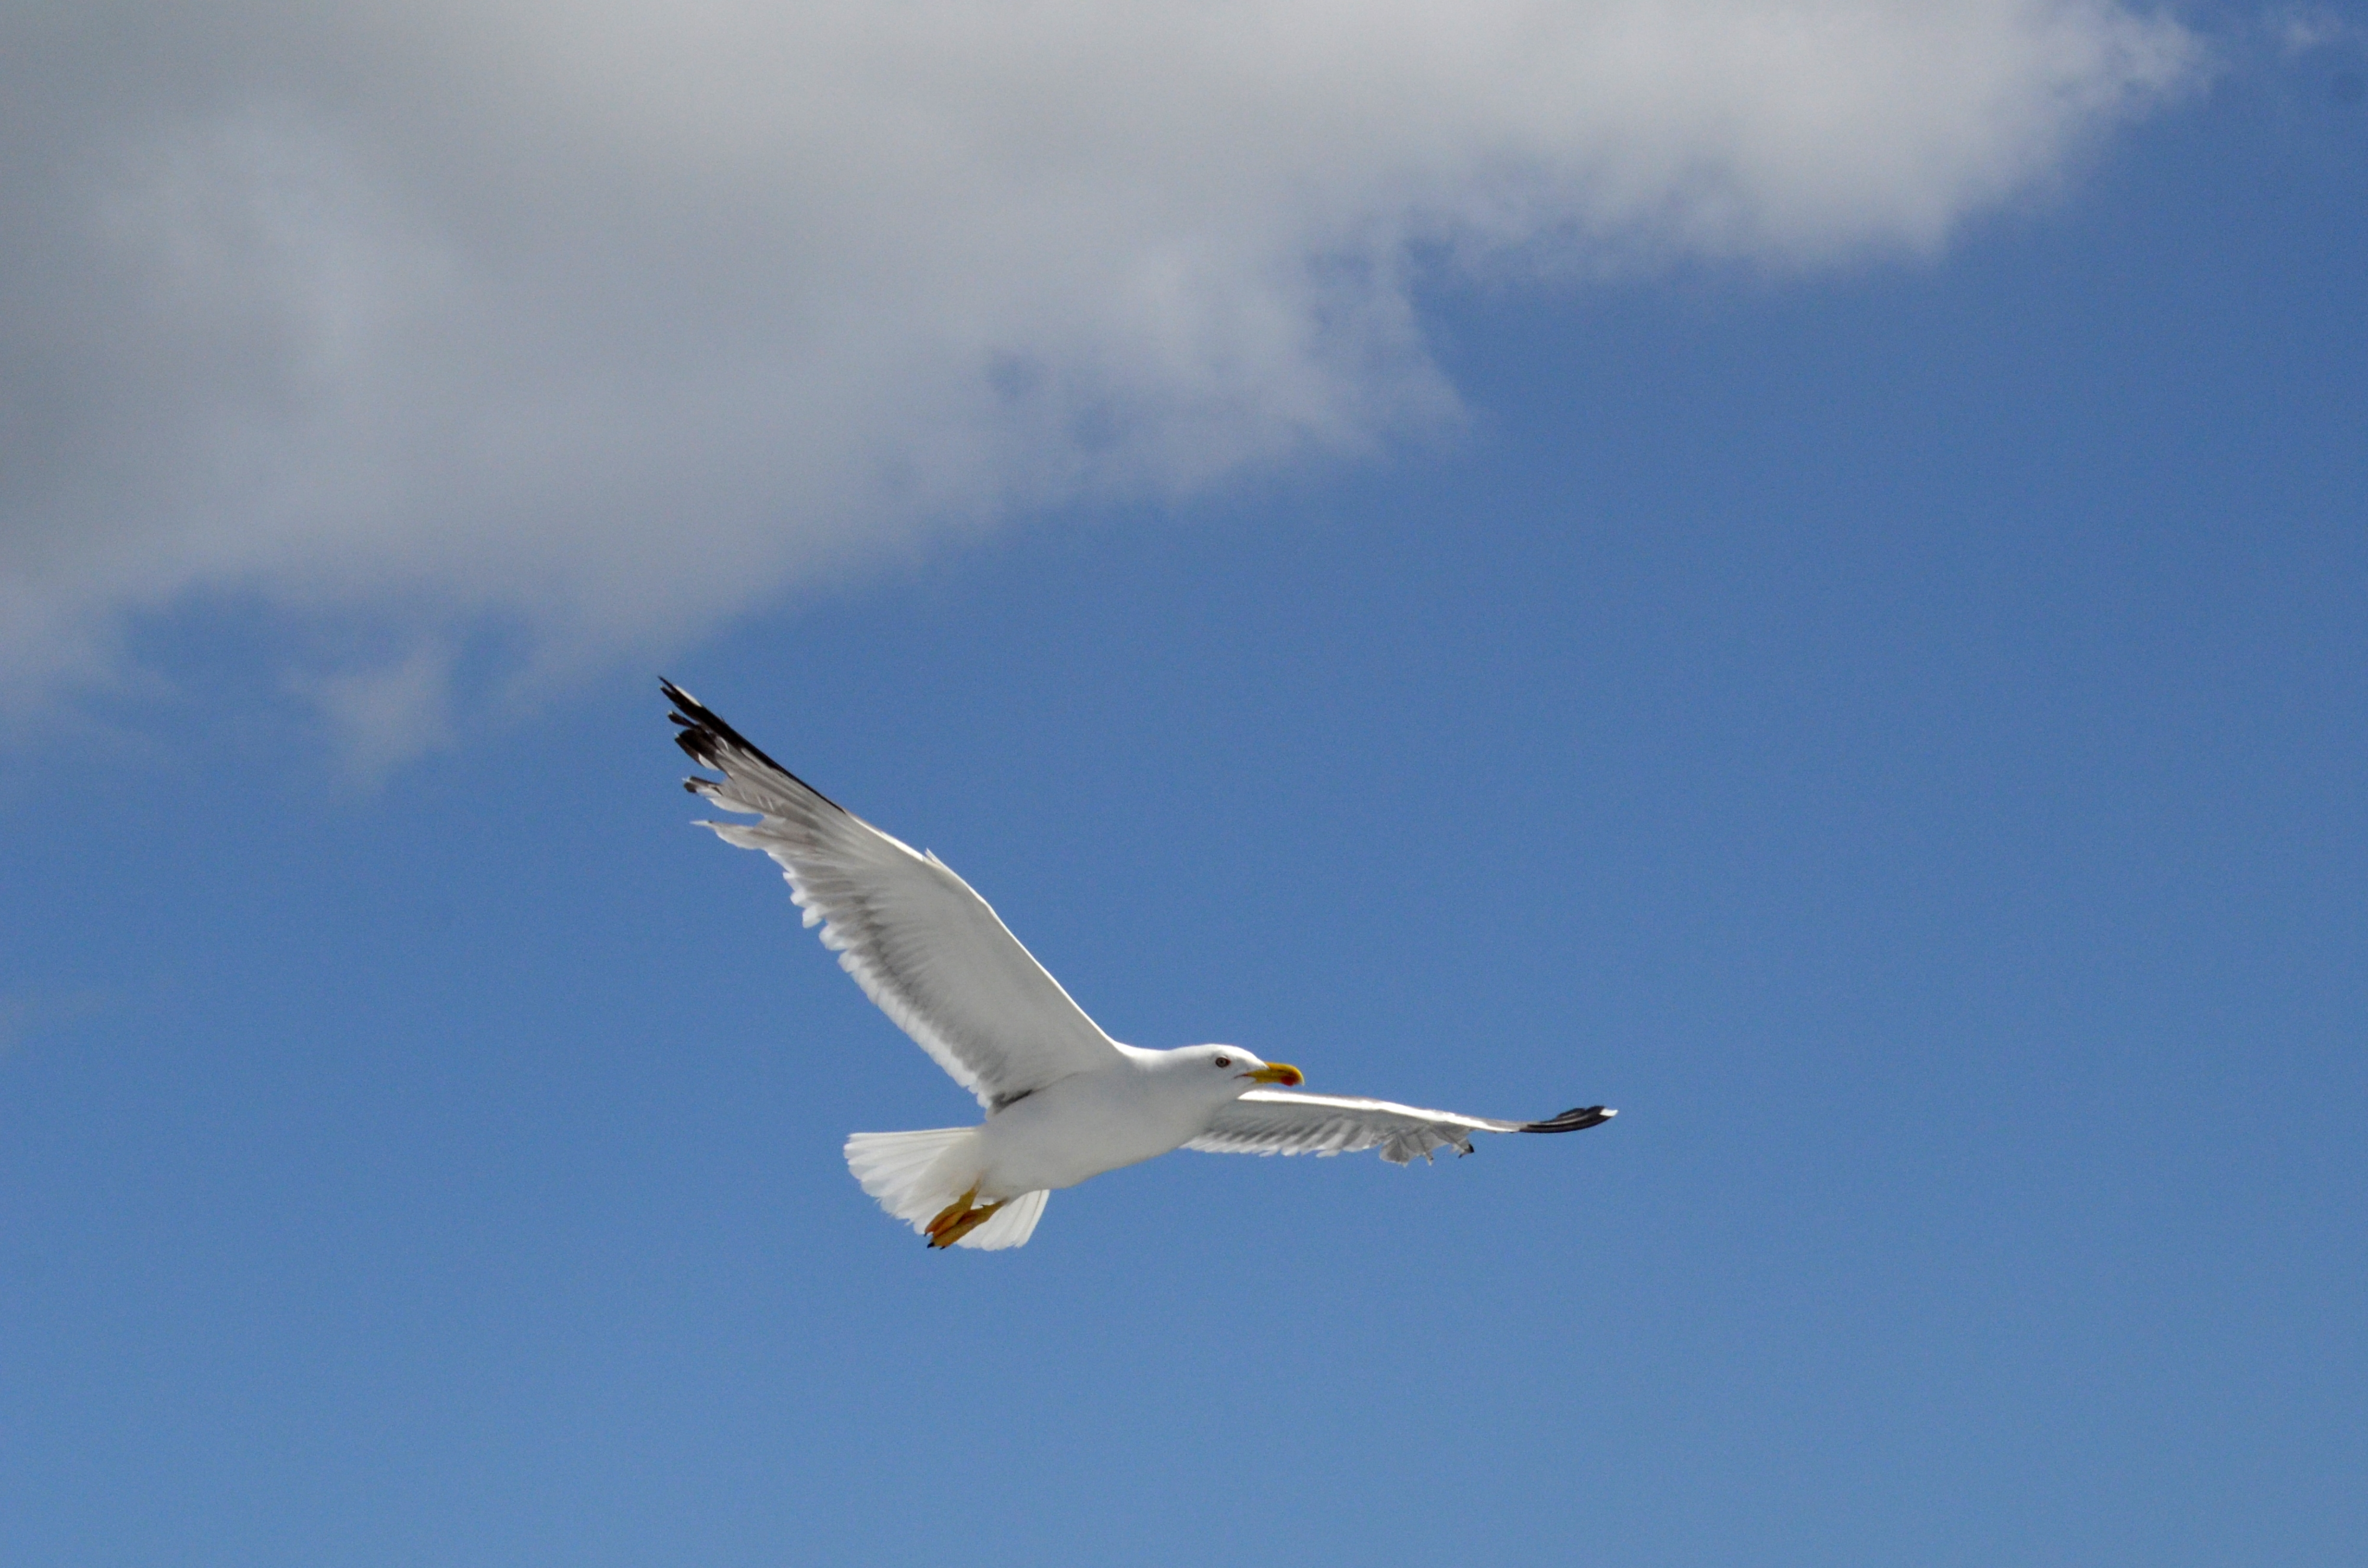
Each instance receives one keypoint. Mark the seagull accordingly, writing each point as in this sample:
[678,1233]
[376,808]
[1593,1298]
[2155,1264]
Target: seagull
[1063,1101]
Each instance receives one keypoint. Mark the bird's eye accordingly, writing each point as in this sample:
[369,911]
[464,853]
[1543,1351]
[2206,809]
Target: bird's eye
[1224,1061]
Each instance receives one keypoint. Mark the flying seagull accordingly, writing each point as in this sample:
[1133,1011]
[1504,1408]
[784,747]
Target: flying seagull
[1064,1100]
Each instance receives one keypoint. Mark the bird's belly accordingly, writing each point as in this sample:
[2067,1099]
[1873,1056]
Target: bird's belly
[1068,1131]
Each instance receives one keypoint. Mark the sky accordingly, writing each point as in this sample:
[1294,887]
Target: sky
[1796,570]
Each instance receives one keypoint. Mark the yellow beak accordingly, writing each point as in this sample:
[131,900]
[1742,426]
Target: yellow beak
[1278,1073]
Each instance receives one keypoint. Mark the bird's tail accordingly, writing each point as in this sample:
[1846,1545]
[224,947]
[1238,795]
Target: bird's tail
[1011,1226]
[915,1175]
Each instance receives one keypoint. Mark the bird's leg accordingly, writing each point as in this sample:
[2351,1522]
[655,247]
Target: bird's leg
[959,1219]
[966,1225]
[951,1212]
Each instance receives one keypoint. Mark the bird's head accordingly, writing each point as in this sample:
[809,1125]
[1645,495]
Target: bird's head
[1239,1071]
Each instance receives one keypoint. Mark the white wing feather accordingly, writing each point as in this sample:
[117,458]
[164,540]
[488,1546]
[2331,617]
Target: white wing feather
[920,942]
[1282,1122]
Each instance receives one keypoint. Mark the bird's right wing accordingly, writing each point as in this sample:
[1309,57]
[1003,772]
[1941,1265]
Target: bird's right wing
[1282,1122]
[922,945]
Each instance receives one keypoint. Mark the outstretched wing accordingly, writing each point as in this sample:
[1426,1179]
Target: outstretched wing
[922,945]
[1280,1121]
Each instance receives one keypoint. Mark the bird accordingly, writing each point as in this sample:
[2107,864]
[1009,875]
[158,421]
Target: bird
[1063,1101]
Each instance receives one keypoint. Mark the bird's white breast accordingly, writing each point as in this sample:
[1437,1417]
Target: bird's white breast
[1084,1125]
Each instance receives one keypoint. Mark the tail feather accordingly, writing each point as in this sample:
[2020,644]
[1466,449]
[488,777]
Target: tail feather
[913,1174]
[1012,1224]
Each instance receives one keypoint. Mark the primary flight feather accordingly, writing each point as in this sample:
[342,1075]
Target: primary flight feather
[1063,1101]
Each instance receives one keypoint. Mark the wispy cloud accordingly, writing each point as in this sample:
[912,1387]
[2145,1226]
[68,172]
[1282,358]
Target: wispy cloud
[389,712]
[612,319]
[2304,29]
[25,1015]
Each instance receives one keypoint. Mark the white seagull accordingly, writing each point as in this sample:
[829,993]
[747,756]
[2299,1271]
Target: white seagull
[1064,1100]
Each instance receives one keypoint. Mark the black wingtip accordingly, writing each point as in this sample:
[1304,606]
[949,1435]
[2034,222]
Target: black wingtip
[1577,1119]
[703,737]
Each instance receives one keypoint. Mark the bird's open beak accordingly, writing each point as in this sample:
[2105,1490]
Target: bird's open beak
[1278,1073]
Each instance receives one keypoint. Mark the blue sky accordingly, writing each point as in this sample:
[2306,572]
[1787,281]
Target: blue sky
[1890,722]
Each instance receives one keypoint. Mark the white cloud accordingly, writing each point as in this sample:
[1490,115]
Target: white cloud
[612,319]
[2303,29]
[388,711]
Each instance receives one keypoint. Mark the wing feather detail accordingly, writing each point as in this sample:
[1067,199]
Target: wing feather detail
[919,941]
[1284,1121]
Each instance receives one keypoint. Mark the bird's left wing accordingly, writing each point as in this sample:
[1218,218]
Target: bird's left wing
[922,945]
[1279,1121]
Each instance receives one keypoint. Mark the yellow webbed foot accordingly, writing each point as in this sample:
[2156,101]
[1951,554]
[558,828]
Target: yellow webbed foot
[945,1233]
[952,1211]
